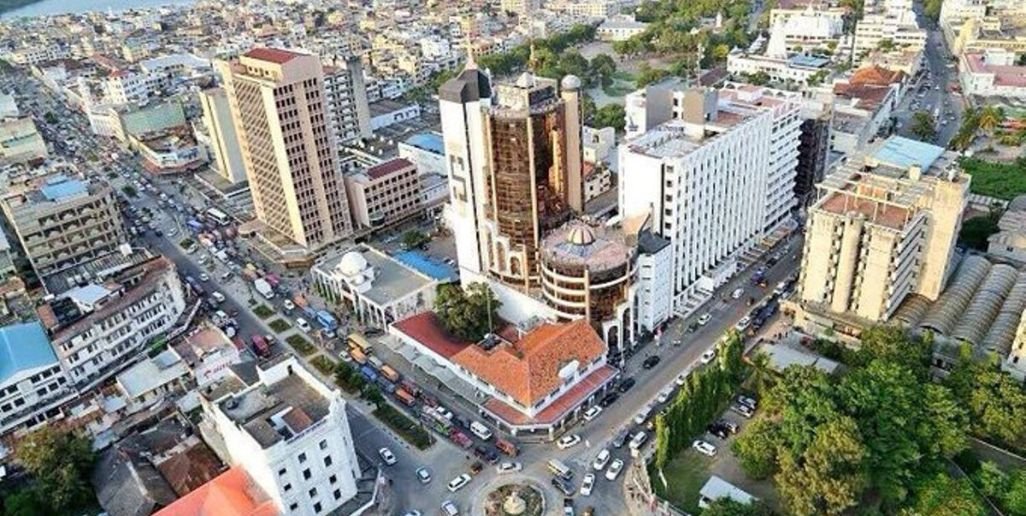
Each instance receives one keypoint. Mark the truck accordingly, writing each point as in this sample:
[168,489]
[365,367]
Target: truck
[385,385]
[326,320]
[405,397]
[260,346]
[369,373]
[506,447]
[195,225]
[389,373]
[409,386]
[264,288]
[460,438]
[300,301]
[358,356]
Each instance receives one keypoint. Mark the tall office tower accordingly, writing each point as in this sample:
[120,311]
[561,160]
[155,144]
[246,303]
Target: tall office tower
[884,227]
[346,94]
[515,163]
[813,150]
[278,103]
[715,170]
[217,118]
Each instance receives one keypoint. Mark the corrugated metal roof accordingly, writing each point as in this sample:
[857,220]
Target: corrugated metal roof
[22,347]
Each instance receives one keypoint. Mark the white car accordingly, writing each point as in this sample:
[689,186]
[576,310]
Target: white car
[681,379]
[708,356]
[568,441]
[743,324]
[614,469]
[592,413]
[601,460]
[587,484]
[704,448]
[424,475]
[219,297]
[509,467]
[444,412]
[289,305]
[449,508]
[704,319]
[204,277]
[457,483]
[665,394]
[387,456]
[737,293]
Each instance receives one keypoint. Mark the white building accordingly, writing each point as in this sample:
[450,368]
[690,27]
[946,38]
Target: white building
[152,380]
[346,96]
[389,112]
[378,289]
[777,63]
[992,73]
[598,143]
[208,353]
[32,384]
[655,294]
[715,171]
[808,27]
[426,151]
[890,20]
[98,329]
[289,432]
[620,28]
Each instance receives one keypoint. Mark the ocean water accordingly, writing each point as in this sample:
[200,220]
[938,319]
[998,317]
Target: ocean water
[50,7]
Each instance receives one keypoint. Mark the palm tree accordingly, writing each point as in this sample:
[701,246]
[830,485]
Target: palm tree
[762,375]
[991,118]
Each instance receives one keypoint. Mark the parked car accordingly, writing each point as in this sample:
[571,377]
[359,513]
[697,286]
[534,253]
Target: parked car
[424,475]
[592,413]
[708,356]
[718,430]
[704,448]
[387,456]
[587,484]
[568,441]
[621,437]
[747,401]
[664,395]
[449,508]
[744,410]
[609,399]
[457,483]
[743,324]
[601,460]
[625,385]
[614,469]
[509,467]
[731,426]
[681,379]
[564,486]
[651,362]
[704,319]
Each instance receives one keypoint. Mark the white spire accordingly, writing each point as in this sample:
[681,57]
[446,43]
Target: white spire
[777,47]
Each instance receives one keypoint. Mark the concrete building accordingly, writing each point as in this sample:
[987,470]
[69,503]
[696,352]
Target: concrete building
[809,28]
[7,267]
[384,194]
[777,63]
[99,329]
[378,289]
[426,151]
[387,112]
[20,141]
[283,122]
[884,228]
[715,171]
[598,143]
[65,222]
[875,28]
[813,148]
[32,384]
[224,141]
[992,73]
[619,28]
[346,96]
[289,432]
[655,294]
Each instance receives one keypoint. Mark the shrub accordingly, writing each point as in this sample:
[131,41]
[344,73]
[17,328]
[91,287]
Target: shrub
[263,311]
[323,364]
[301,345]
[406,428]
[279,325]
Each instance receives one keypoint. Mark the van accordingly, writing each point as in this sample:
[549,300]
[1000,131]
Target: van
[639,440]
[560,470]
[303,325]
[219,297]
[480,430]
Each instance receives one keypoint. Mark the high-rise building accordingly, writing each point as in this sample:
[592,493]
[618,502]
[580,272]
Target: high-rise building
[515,165]
[813,149]
[224,141]
[714,170]
[281,114]
[884,227]
[346,95]
[65,222]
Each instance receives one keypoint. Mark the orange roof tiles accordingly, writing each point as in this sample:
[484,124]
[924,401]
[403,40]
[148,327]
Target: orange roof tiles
[528,370]
[230,494]
[426,329]
[555,411]
[272,55]
[876,75]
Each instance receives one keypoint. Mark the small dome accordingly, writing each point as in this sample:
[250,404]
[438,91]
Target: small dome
[570,82]
[580,235]
[352,263]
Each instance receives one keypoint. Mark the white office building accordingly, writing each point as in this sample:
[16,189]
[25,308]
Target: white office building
[32,384]
[290,433]
[715,171]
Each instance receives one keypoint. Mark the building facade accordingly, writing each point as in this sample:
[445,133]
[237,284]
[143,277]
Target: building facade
[283,122]
[32,384]
[346,95]
[224,141]
[384,194]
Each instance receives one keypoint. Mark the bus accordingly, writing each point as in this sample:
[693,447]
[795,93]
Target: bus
[218,215]
[557,468]
[357,341]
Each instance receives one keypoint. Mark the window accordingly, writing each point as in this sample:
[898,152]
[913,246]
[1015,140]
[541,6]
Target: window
[287,487]
[306,474]
[317,507]
[313,493]
[324,445]
[281,472]
[337,494]
[302,458]
[333,479]
[327,461]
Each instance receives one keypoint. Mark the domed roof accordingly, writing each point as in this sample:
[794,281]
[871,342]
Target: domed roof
[352,263]
[580,235]
[571,82]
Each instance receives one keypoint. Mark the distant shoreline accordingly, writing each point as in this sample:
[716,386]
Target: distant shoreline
[7,6]
[12,9]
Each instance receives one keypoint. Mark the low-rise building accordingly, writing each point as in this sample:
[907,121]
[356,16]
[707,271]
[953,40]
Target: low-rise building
[384,194]
[809,27]
[99,329]
[597,143]
[32,384]
[152,380]
[992,73]
[378,289]
[208,354]
[619,28]
[65,221]
[388,112]
[20,141]
[426,151]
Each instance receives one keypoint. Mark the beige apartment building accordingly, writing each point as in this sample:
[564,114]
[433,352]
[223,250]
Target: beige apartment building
[281,116]
[384,194]
[65,222]
[883,228]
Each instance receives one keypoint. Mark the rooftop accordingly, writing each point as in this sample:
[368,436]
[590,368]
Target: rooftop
[428,141]
[232,493]
[388,168]
[595,248]
[152,373]
[1004,75]
[902,152]
[391,280]
[276,412]
[272,55]
[24,347]
[61,188]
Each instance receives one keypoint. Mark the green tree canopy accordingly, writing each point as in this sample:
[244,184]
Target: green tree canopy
[467,314]
[923,126]
[60,462]
[610,115]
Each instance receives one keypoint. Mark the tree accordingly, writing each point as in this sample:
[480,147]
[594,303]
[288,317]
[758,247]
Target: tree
[762,375]
[603,67]
[756,449]
[1014,498]
[372,394]
[976,232]
[662,453]
[647,75]
[467,314]
[587,108]
[998,405]
[414,239]
[611,115]
[60,462]
[991,117]
[891,344]
[24,502]
[941,495]
[829,477]
[923,126]
[129,190]
[720,52]
[729,507]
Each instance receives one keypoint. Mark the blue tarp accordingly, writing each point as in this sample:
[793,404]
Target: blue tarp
[424,265]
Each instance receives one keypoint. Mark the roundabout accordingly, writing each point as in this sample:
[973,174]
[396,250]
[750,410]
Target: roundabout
[514,497]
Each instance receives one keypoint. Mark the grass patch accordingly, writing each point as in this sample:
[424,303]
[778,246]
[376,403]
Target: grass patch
[323,364]
[301,345]
[685,474]
[279,325]
[1000,180]
[406,428]
[263,311]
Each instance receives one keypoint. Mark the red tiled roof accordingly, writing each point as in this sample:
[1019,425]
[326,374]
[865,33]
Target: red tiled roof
[272,55]
[426,329]
[528,370]
[876,75]
[570,400]
[387,168]
[230,494]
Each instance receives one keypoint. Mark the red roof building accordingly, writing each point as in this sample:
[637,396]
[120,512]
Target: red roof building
[230,494]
